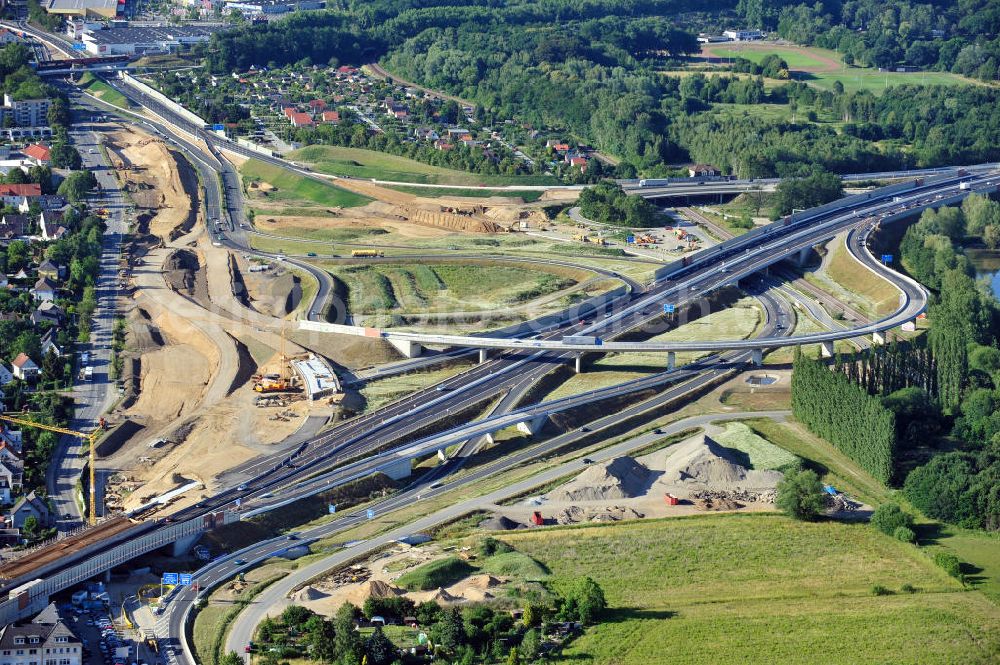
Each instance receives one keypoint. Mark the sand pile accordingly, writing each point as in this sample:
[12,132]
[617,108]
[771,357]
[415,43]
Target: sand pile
[310,593]
[372,589]
[621,478]
[702,462]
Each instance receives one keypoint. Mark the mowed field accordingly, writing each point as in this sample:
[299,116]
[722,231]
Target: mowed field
[289,186]
[762,588]
[822,67]
[362,163]
[418,288]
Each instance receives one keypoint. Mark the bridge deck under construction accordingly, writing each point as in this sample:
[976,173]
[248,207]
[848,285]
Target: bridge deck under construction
[23,566]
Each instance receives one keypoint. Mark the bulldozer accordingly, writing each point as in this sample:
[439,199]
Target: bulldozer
[271,383]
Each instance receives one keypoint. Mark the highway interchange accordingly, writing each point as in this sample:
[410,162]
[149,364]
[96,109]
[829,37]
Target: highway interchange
[351,448]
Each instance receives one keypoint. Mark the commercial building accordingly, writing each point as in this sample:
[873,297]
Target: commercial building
[85,8]
[138,41]
[262,7]
[318,378]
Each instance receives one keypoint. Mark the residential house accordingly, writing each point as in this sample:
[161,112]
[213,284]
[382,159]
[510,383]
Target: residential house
[301,119]
[24,367]
[50,345]
[28,506]
[40,644]
[13,226]
[44,289]
[317,106]
[13,195]
[578,161]
[11,478]
[11,438]
[38,153]
[426,133]
[48,312]
[6,376]
[702,170]
[45,202]
[8,37]
[50,225]
[21,274]
[332,117]
[743,35]
[49,269]
[443,145]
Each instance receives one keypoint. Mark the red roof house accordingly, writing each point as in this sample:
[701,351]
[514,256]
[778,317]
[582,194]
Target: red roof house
[38,153]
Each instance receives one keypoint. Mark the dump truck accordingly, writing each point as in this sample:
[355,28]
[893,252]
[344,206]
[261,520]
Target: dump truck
[367,253]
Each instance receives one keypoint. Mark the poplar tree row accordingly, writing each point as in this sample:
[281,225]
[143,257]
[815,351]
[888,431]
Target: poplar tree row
[843,413]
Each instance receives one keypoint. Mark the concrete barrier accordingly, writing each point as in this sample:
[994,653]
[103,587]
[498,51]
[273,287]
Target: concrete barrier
[133,82]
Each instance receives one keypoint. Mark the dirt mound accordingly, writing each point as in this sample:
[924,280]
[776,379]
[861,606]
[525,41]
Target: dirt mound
[621,478]
[180,270]
[576,514]
[373,589]
[501,523]
[308,594]
[702,462]
[482,582]
[717,503]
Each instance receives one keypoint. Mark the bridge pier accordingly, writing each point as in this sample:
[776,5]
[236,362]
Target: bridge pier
[406,347]
[484,355]
[182,546]
[756,357]
[826,349]
[578,364]
[878,338]
[803,256]
[399,469]
[441,455]
[533,426]
[671,361]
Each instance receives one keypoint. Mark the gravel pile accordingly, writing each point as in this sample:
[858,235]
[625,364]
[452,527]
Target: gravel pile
[621,478]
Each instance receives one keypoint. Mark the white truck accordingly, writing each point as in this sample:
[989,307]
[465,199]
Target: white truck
[88,373]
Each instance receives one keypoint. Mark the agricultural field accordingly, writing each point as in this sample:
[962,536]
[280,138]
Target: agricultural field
[761,588]
[822,67]
[406,289]
[286,186]
[362,163]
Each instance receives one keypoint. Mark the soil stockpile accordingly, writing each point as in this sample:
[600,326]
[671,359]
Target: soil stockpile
[621,478]
[704,463]
[500,523]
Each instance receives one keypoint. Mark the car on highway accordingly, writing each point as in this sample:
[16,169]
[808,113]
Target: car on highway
[310,253]
[240,562]
[293,536]
[584,429]
[587,460]
[242,487]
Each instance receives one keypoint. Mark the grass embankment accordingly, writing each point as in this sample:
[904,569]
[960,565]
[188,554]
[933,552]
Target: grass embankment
[362,163]
[854,284]
[436,574]
[761,453]
[98,88]
[823,75]
[735,322]
[761,588]
[380,392]
[290,186]
[413,289]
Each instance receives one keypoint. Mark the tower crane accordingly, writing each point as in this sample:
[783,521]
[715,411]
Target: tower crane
[91,439]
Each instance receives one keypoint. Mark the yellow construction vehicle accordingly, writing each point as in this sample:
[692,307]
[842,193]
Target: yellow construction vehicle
[367,253]
[274,383]
[91,439]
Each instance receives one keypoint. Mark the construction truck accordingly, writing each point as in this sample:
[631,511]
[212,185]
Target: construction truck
[367,253]
[681,234]
[645,240]
[271,383]
[589,239]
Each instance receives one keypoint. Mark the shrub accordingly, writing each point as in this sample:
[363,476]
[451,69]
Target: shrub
[879,590]
[888,517]
[950,564]
[908,588]
[905,534]
[490,546]
[801,496]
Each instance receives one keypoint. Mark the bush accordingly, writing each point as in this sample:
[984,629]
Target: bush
[490,546]
[950,564]
[801,496]
[889,516]
[879,590]
[905,534]
[908,588]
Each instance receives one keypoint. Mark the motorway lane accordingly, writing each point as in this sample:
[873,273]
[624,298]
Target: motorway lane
[91,398]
